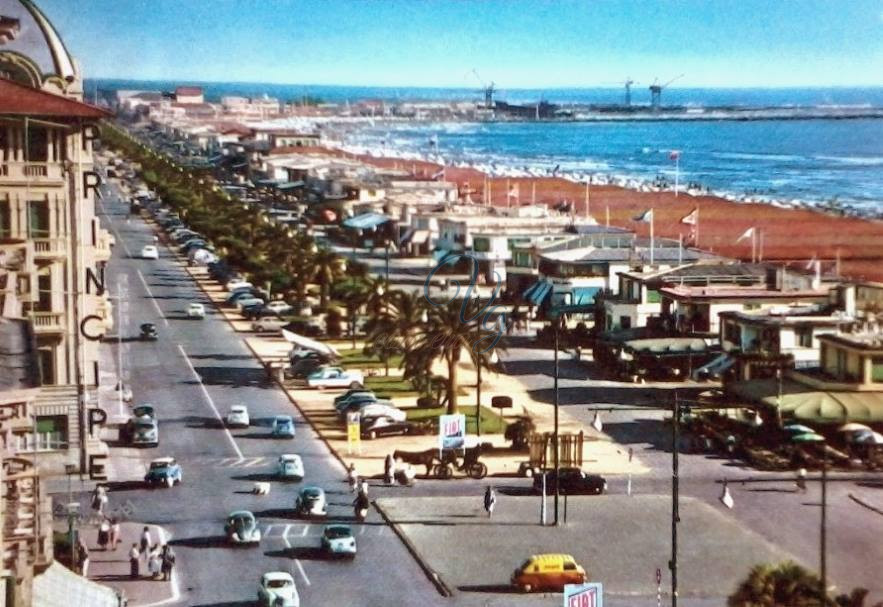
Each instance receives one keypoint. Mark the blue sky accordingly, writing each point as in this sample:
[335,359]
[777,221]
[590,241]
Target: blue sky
[714,43]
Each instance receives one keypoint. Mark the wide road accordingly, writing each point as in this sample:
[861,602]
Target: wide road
[193,374]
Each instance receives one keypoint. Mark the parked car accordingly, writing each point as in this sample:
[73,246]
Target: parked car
[279,307]
[244,302]
[149,252]
[195,310]
[163,471]
[143,432]
[283,427]
[259,312]
[290,467]
[241,293]
[146,410]
[237,283]
[335,377]
[267,325]
[278,590]
[303,368]
[338,540]
[373,427]
[573,482]
[352,393]
[548,572]
[238,417]
[310,501]
[242,528]
[378,408]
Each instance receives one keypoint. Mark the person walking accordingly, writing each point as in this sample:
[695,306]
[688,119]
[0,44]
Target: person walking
[114,533]
[154,562]
[83,557]
[103,534]
[353,477]
[99,499]
[490,500]
[146,542]
[363,488]
[389,469]
[134,555]
[168,562]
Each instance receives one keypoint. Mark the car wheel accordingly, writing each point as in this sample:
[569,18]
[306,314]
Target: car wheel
[526,588]
[355,385]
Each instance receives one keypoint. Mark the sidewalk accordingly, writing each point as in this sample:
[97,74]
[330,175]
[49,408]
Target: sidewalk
[111,567]
[601,454]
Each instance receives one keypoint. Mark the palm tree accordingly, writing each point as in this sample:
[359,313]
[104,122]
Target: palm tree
[327,267]
[354,293]
[773,585]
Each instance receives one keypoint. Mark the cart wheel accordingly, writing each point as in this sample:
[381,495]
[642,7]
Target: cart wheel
[478,470]
[526,471]
[444,471]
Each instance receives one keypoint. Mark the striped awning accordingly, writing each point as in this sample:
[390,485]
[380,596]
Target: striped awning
[538,292]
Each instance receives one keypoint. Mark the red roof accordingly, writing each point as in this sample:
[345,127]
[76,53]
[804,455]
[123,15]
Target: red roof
[188,91]
[21,100]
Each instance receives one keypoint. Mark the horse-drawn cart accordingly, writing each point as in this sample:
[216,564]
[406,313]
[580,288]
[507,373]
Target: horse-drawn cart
[443,465]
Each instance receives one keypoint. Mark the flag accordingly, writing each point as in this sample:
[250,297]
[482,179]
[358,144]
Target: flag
[596,422]
[749,233]
[513,191]
[692,218]
[674,155]
[555,170]
[646,216]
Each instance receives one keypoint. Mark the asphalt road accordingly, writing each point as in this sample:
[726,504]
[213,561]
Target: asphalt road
[192,375]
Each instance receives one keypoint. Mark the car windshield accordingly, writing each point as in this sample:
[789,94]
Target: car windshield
[336,533]
[242,522]
[283,423]
[311,494]
[278,584]
[144,425]
[160,465]
[142,411]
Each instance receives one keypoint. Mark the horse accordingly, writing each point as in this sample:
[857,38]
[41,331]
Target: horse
[417,458]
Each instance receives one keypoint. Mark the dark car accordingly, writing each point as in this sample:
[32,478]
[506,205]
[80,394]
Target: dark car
[303,367]
[148,331]
[573,482]
[258,311]
[372,427]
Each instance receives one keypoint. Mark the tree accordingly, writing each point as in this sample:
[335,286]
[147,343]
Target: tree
[353,293]
[770,585]
[327,267]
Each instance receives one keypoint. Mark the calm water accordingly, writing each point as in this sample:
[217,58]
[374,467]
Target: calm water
[814,161]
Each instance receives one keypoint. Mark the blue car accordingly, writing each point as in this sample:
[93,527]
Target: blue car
[283,427]
[163,471]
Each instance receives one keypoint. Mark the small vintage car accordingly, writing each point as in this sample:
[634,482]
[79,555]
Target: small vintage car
[278,590]
[338,540]
[548,572]
[142,432]
[290,467]
[573,481]
[196,310]
[335,377]
[311,502]
[149,252]
[242,528]
[373,427]
[283,427]
[148,332]
[163,471]
[238,417]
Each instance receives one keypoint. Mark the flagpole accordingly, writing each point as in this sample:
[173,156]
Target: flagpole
[754,245]
[490,192]
[677,172]
[587,197]
[680,249]
[607,209]
[652,220]
[696,239]
[533,192]
[508,193]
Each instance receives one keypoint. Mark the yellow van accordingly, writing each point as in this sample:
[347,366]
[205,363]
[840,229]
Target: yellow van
[548,571]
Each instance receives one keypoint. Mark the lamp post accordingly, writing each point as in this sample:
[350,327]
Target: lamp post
[555,431]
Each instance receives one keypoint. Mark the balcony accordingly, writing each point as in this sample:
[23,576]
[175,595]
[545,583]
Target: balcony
[48,322]
[50,248]
[48,173]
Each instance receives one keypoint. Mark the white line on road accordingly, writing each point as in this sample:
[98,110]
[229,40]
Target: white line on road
[362,530]
[152,298]
[211,402]
[306,529]
[302,572]
[267,530]
[285,532]
[254,462]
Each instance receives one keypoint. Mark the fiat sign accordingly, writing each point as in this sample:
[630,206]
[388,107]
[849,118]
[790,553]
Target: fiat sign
[452,431]
[583,595]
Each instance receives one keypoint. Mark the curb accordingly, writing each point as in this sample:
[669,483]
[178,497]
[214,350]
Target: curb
[431,573]
[865,504]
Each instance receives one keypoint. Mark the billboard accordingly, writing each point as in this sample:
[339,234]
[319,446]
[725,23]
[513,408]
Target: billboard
[452,431]
[583,595]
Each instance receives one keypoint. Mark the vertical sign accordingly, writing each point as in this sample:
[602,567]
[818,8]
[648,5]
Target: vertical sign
[452,431]
[583,595]
[353,432]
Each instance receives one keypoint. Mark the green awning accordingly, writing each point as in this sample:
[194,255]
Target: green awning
[807,404]
[365,221]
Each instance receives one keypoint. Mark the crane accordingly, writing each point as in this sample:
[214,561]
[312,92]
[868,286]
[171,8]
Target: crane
[628,90]
[487,89]
[656,91]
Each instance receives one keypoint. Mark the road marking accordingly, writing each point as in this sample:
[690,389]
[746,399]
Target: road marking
[176,593]
[285,532]
[267,530]
[362,530]
[152,298]
[381,529]
[306,529]
[302,572]
[229,461]
[210,402]
[256,461]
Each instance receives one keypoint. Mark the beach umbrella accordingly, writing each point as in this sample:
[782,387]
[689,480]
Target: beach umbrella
[854,427]
[798,429]
[809,437]
[868,438]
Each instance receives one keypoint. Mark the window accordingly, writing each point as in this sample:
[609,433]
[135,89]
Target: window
[51,433]
[38,219]
[733,333]
[44,293]
[877,370]
[625,322]
[5,218]
[38,144]
[804,337]
[569,566]
[653,296]
[47,366]
[481,245]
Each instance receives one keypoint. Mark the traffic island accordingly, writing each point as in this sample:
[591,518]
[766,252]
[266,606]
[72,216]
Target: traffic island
[619,540]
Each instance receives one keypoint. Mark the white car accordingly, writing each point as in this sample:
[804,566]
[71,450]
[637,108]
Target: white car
[196,310]
[372,408]
[149,252]
[278,589]
[335,377]
[290,466]
[237,283]
[268,325]
[338,540]
[279,307]
[238,417]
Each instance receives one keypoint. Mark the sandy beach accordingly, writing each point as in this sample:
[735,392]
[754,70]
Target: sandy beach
[788,235]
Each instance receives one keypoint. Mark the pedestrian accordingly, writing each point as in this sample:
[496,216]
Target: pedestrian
[363,487]
[99,499]
[801,480]
[389,469]
[114,533]
[154,562]
[134,555]
[83,557]
[146,542]
[353,477]
[490,500]
[168,562]
[103,534]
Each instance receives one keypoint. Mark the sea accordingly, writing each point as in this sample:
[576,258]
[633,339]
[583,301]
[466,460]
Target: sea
[826,162]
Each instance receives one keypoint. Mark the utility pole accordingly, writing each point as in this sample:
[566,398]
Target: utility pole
[675,489]
[823,539]
[555,433]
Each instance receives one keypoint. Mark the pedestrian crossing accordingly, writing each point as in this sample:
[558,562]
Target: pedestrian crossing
[288,531]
